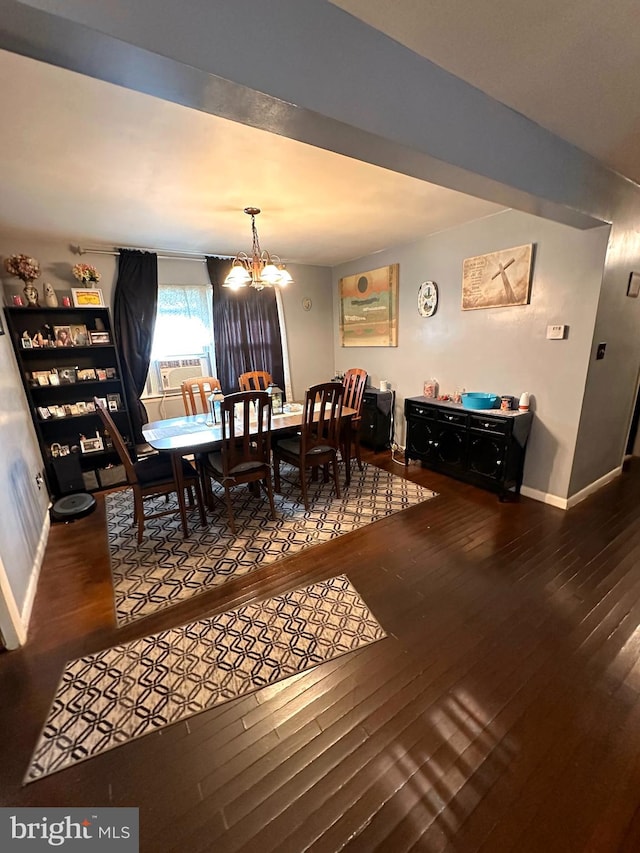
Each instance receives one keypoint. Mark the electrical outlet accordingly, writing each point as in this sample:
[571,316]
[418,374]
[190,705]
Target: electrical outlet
[556,333]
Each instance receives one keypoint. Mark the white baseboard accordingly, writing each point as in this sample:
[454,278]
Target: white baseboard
[593,487]
[35,574]
[544,497]
[567,503]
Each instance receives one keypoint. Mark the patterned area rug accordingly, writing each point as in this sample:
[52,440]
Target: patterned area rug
[108,698]
[167,568]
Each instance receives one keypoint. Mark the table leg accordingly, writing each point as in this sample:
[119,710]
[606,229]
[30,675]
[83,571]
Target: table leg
[347,450]
[176,459]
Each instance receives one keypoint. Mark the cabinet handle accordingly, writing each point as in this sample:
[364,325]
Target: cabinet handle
[486,426]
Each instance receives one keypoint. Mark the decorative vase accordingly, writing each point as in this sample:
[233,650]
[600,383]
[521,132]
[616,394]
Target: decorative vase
[50,298]
[31,294]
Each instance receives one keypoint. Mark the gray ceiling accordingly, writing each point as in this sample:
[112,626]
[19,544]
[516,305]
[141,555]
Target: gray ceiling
[572,66]
[87,161]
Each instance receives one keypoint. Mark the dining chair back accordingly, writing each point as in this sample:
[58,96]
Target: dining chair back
[245,454]
[319,440]
[254,380]
[354,381]
[151,476]
[197,391]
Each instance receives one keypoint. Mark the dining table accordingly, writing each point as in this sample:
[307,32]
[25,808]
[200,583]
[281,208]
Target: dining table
[192,434]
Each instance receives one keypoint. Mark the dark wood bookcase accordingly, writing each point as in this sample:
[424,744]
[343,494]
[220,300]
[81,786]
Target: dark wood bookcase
[60,383]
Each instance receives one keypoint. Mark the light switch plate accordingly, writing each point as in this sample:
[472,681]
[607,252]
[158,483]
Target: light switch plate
[556,333]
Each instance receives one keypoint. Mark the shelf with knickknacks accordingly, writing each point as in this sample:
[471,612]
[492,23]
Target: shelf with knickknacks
[61,381]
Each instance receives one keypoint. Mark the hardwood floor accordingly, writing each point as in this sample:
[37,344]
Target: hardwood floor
[502,713]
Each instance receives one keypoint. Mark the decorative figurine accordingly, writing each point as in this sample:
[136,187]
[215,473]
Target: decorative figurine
[50,298]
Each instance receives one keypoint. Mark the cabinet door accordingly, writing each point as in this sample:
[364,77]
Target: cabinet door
[451,446]
[421,439]
[487,454]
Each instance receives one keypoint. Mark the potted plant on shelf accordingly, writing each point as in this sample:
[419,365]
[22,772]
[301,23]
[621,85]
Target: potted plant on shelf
[27,270]
[86,273]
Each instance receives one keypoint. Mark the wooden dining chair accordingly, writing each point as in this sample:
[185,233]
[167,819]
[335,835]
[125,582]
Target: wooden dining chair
[354,381]
[198,390]
[245,455]
[254,380]
[319,440]
[150,477]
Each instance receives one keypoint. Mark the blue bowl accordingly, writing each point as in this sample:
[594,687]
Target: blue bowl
[480,401]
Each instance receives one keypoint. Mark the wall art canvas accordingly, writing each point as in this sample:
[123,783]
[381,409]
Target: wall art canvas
[498,279]
[369,308]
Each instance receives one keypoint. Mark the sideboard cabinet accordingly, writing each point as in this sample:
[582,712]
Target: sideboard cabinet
[486,448]
[66,357]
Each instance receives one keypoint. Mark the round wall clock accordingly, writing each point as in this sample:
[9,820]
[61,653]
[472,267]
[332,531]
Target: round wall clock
[427,298]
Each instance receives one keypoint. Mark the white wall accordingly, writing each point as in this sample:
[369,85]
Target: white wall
[23,507]
[499,350]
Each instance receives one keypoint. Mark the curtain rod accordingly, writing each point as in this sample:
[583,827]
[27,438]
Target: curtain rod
[171,256]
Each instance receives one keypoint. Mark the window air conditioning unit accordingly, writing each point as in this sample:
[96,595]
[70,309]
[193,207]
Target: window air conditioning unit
[174,371]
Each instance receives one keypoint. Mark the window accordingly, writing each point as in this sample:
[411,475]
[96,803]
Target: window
[183,338]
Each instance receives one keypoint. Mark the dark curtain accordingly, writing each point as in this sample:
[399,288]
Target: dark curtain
[134,320]
[246,329]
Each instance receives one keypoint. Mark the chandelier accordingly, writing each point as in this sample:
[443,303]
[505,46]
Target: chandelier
[260,269]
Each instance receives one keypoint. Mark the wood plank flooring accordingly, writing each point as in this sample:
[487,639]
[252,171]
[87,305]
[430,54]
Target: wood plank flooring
[502,712]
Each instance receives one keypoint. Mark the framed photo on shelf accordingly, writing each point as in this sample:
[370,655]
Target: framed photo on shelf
[86,374]
[91,445]
[114,403]
[63,336]
[44,413]
[101,374]
[40,377]
[111,372]
[87,297]
[79,336]
[67,375]
[99,337]
[54,379]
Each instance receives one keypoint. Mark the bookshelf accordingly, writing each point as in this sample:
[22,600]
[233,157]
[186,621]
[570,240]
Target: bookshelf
[66,357]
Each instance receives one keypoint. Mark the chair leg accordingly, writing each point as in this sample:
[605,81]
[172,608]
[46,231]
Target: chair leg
[267,482]
[276,472]
[200,501]
[139,513]
[356,442]
[190,494]
[227,498]
[303,487]
[335,475]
